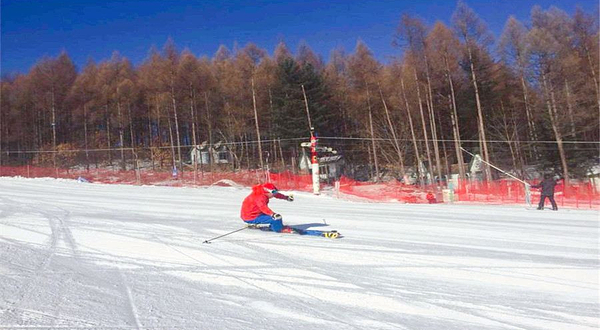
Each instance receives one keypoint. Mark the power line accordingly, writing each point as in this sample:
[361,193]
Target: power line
[341,138]
[462,141]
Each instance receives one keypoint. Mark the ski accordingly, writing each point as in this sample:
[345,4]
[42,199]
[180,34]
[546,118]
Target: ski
[323,233]
[333,234]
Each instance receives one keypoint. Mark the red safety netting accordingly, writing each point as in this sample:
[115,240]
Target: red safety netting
[580,195]
[384,191]
[290,181]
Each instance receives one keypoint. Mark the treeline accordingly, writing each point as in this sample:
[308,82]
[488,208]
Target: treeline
[531,96]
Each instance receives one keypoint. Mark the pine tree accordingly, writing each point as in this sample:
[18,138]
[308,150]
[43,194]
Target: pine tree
[289,117]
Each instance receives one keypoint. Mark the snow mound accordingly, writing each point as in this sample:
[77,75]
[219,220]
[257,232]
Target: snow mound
[227,183]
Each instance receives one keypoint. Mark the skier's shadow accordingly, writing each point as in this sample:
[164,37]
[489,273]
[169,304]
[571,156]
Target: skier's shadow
[306,226]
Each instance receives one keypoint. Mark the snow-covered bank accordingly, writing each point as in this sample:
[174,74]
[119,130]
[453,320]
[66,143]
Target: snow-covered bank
[76,255]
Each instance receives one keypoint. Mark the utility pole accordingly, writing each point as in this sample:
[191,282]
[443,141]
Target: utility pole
[313,149]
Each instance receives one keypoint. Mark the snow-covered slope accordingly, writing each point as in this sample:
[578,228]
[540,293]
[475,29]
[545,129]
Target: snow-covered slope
[76,255]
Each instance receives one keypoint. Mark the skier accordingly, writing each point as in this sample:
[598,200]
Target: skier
[255,209]
[547,186]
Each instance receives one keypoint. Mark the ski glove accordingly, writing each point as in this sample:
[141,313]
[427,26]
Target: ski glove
[290,198]
[276,216]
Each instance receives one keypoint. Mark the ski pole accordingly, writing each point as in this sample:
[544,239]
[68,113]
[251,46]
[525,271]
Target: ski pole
[229,233]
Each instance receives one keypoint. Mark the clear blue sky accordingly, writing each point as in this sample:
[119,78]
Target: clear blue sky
[95,28]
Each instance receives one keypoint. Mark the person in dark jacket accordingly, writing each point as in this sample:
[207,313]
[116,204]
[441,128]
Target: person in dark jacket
[547,186]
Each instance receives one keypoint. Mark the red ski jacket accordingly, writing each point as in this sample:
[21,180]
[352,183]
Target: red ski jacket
[257,203]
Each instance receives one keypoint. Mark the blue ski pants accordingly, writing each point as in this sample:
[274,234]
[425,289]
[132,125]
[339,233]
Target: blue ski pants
[275,225]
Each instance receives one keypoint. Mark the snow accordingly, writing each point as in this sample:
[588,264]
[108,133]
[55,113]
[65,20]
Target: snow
[80,255]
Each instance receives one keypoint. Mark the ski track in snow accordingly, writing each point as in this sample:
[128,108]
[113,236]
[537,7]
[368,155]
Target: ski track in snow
[80,256]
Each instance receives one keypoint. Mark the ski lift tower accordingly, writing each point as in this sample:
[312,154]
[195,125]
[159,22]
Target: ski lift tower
[314,160]
[313,148]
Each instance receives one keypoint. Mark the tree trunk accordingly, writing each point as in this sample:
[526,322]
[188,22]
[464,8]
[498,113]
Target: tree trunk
[176,125]
[393,130]
[570,109]
[131,135]
[40,124]
[54,131]
[442,138]
[432,123]
[108,134]
[532,132]
[158,128]
[210,140]
[423,123]
[596,85]
[281,155]
[508,135]
[371,164]
[274,151]
[260,156]
[550,104]
[412,132]
[455,125]
[482,137]
[121,139]
[171,139]
[194,141]
[434,137]
[271,126]
[85,138]
[247,152]
[150,141]
[193,115]
[372,136]
[518,146]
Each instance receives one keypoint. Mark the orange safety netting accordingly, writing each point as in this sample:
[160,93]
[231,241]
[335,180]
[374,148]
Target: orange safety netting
[581,195]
